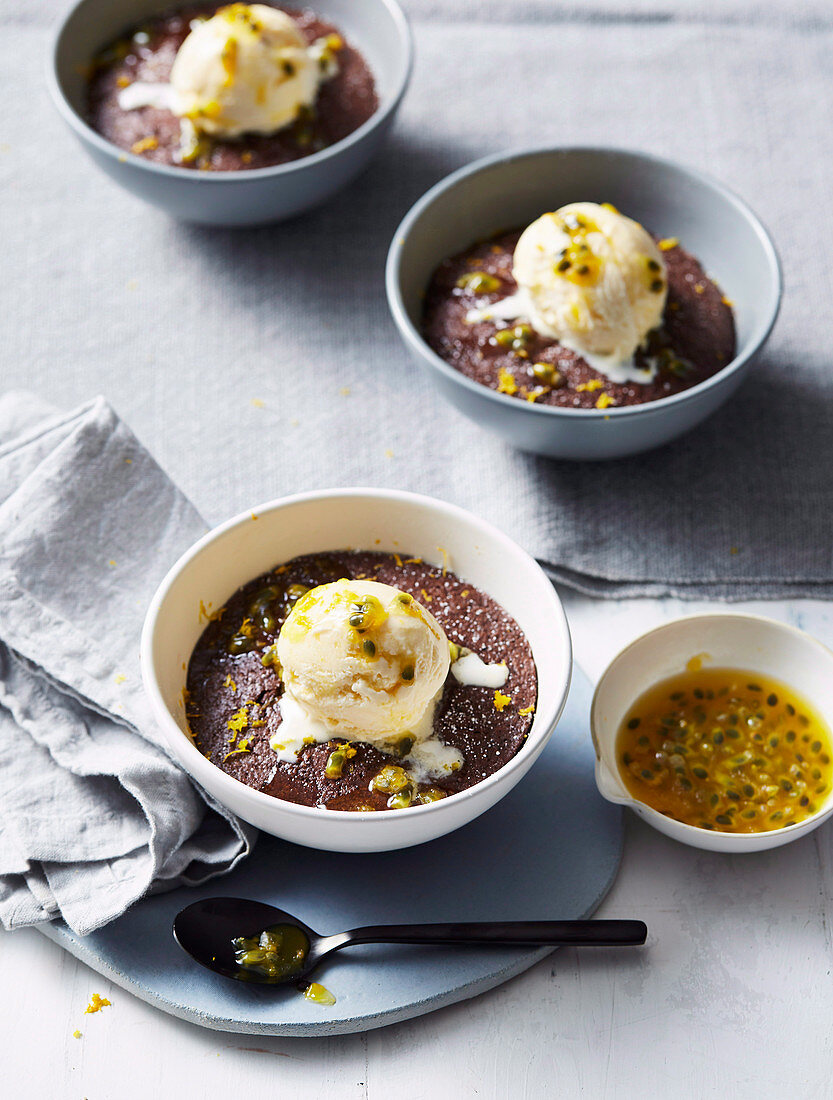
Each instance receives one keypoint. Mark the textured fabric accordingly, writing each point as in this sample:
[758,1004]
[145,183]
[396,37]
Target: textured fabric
[229,351]
[93,812]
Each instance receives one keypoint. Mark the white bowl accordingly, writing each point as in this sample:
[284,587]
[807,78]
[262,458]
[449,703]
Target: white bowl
[748,642]
[250,196]
[374,519]
[512,189]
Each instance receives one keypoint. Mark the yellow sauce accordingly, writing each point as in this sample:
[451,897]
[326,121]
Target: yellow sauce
[319,994]
[274,954]
[727,750]
[577,262]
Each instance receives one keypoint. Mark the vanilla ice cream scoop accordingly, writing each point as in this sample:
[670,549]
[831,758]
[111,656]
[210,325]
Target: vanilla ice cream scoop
[247,69]
[593,279]
[363,660]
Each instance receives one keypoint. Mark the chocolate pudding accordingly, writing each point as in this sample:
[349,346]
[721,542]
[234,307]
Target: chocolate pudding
[146,54]
[695,340]
[235,684]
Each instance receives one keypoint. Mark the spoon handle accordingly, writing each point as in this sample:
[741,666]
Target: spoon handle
[556,933]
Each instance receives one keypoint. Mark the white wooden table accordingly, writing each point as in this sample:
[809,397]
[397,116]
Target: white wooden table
[733,996]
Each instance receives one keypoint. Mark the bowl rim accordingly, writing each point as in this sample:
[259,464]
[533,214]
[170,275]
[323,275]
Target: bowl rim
[86,133]
[532,745]
[414,340]
[654,817]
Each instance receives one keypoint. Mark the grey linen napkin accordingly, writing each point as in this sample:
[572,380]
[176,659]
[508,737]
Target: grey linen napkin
[93,812]
[269,327]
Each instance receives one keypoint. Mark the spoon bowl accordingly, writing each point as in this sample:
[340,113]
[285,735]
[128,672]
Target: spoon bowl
[208,929]
[211,932]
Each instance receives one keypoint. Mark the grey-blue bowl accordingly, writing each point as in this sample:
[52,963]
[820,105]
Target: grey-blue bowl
[512,189]
[377,28]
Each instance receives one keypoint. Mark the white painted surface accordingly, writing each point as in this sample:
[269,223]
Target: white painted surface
[732,997]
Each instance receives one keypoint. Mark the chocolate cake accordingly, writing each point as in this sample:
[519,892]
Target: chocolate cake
[696,339]
[147,52]
[233,686]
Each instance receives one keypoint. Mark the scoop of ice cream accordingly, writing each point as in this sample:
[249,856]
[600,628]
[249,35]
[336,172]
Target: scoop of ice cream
[593,279]
[247,69]
[363,658]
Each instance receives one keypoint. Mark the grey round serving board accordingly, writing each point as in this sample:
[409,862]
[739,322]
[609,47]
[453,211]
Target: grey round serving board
[549,850]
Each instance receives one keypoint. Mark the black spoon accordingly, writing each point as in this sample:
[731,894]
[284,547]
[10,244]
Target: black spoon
[208,929]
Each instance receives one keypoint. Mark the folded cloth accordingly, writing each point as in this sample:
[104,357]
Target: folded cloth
[93,812]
